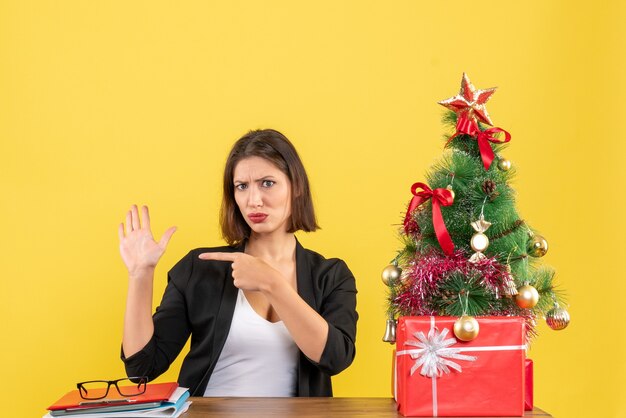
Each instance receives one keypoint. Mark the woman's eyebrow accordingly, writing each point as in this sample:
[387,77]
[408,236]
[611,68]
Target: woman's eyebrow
[268,177]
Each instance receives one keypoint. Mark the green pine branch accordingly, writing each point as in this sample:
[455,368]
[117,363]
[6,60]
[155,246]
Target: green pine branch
[459,295]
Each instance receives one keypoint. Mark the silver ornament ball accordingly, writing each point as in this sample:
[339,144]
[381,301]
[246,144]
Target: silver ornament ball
[391,274]
[557,318]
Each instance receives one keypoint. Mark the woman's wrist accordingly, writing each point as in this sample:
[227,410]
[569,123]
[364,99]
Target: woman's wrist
[141,274]
[273,285]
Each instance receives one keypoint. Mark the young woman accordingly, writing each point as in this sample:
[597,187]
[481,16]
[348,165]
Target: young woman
[266,316]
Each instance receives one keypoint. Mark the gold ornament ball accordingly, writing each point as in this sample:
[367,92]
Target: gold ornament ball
[479,242]
[504,164]
[537,246]
[391,274]
[527,297]
[557,318]
[466,328]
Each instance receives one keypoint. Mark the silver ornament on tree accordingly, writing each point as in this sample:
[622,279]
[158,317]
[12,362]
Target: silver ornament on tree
[557,318]
[390,331]
[391,274]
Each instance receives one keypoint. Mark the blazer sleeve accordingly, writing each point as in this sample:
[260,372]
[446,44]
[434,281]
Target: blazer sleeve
[171,327]
[338,308]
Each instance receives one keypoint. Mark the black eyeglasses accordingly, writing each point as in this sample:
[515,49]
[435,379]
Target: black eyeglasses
[98,389]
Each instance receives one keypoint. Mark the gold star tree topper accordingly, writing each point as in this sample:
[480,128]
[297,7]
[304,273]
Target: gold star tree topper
[470,102]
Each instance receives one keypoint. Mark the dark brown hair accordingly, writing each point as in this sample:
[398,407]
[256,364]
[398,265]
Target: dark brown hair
[274,147]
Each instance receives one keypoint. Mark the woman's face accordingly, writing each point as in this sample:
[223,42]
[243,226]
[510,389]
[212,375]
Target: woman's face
[263,195]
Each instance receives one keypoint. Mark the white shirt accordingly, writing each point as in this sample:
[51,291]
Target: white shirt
[259,357]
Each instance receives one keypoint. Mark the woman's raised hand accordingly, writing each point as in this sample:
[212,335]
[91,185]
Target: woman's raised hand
[140,252]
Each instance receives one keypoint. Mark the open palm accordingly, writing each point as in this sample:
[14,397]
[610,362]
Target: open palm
[139,250]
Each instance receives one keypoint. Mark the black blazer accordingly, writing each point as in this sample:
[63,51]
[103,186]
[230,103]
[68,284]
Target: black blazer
[200,298]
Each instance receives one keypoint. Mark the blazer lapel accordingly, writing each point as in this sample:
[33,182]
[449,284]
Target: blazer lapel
[305,290]
[227,307]
[303,279]
[223,320]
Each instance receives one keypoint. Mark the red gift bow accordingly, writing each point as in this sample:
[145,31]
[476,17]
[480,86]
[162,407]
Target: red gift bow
[440,197]
[469,127]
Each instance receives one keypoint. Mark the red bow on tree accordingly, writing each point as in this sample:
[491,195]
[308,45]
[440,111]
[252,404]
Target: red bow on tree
[441,197]
[469,127]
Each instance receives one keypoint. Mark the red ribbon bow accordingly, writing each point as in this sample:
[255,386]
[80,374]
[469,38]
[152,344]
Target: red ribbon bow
[441,197]
[469,127]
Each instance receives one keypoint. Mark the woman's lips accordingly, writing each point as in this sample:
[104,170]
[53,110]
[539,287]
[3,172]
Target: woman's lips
[257,217]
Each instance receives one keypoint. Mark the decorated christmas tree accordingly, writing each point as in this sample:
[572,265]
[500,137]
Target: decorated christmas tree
[466,250]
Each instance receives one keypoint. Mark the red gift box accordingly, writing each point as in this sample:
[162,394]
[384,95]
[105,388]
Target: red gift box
[438,375]
[528,377]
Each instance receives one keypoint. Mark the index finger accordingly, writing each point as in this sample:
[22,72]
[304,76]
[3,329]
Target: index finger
[219,256]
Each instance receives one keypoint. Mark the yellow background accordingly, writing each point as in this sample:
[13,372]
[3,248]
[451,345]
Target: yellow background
[108,103]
